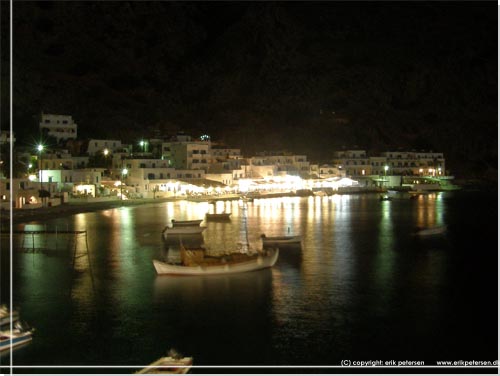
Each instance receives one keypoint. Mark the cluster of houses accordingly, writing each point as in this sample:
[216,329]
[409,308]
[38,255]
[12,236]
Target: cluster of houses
[183,166]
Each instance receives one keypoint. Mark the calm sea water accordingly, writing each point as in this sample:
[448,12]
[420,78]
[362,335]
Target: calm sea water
[362,287]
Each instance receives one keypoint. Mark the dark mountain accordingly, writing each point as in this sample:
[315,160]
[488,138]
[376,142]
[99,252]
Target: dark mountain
[310,77]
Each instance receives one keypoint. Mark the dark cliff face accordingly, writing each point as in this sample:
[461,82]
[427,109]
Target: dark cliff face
[308,77]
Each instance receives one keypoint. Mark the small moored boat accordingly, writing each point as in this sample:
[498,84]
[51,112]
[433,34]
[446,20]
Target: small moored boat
[222,217]
[6,316]
[194,222]
[182,230]
[429,231]
[18,336]
[174,363]
[218,216]
[276,241]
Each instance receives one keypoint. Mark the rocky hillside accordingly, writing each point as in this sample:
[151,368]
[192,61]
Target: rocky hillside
[309,77]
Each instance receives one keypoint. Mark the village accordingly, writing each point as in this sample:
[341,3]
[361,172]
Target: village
[184,167]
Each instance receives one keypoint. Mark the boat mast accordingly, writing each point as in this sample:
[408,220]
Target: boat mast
[245,216]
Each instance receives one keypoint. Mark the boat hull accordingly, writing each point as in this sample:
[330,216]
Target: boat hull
[260,262]
[195,223]
[17,340]
[218,217]
[276,241]
[438,230]
[168,365]
[7,316]
[183,230]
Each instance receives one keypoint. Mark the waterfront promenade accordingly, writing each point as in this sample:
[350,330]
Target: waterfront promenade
[90,205]
[66,209]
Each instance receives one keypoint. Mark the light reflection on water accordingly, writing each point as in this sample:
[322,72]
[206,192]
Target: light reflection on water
[361,277]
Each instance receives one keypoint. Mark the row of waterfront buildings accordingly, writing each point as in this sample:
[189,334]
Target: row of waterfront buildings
[181,165]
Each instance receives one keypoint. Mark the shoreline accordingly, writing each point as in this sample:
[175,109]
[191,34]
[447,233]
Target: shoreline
[67,209]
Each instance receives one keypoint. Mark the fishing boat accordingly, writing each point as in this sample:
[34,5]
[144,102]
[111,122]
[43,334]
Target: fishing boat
[194,222]
[276,241]
[195,261]
[174,363]
[429,231]
[10,339]
[7,316]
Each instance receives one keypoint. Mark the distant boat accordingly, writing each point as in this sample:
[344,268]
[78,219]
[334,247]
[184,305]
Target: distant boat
[319,193]
[418,192]
[276,241]
[18,336]
[218,216]
[194,261]
[182,230]
[429,231]
[6,316]
[174,363]
[194,222]
[385,198]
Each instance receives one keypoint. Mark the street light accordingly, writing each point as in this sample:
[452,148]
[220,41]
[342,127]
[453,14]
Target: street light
[385,171]
[143,145]
[40,149]
[105,152]
[124,172]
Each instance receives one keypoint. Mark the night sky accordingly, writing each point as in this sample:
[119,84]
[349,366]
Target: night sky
[310,77]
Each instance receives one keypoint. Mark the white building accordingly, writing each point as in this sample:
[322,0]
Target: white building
[326,171]
[190,155]
[352,162]
[99,146]
[415,163]
[285,163]
[61,127]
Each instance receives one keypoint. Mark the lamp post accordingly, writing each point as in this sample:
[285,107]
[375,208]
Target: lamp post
[124,172]
[40,149]
[105,152]
[385,171]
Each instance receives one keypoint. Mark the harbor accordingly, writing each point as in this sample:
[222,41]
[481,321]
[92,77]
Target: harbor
[359,272]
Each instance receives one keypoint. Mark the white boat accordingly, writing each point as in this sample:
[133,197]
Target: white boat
[182,230]
[429,231]
[275,241]
[194,222]
[194,261]
[6,316]
[16,337]
[171,364]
